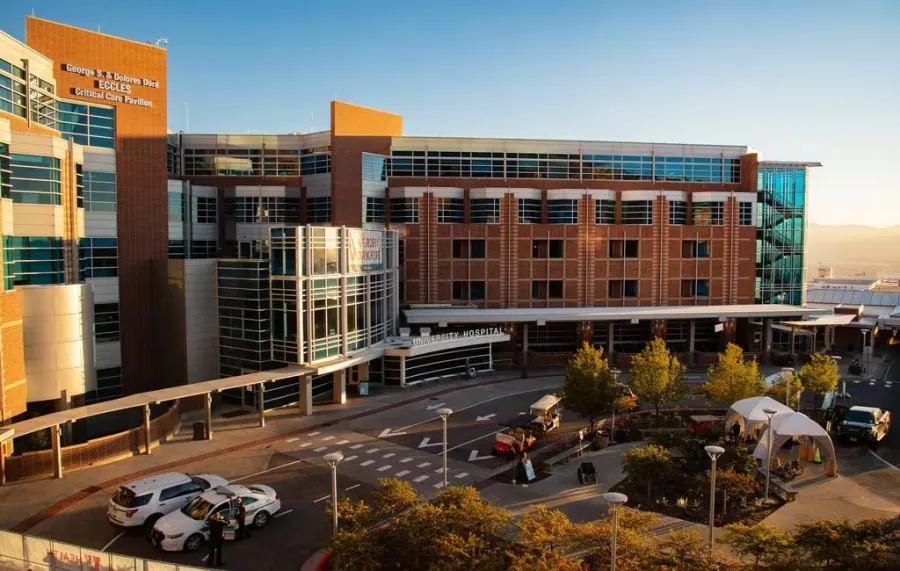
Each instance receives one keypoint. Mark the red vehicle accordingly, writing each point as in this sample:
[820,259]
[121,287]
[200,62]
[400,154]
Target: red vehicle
[517,439]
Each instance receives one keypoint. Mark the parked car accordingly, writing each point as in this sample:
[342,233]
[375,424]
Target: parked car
[187,529]
[143,502]
[864,423]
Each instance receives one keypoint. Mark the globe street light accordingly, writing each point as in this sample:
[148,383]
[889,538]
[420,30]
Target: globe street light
[445,412]
[769,414]
[714,452]
[612,431]
[333,459]
[615,500]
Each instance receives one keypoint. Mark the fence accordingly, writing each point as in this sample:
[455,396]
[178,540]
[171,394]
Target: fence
[29,553]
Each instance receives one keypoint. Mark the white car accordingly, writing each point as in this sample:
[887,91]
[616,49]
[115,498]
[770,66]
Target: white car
[187,528]
[143,502]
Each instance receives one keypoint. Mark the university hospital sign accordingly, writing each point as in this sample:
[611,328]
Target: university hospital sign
[111,86]
[452,335]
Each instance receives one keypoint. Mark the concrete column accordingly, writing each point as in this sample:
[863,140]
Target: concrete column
[2,463]
[362,371]
[305,396]
[207,410]
[610,355]
[339,387]
[260,403]
[692,338]
[146,429]
[402,371]
[56,449]
[524,350]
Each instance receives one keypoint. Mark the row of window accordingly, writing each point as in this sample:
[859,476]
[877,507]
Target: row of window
[475,290]
[99,191]
[35,179]
[200,249]
[555,249]
[32,260]
[254,162]
[109,386]
[86,124]
[106,322]
[98,258]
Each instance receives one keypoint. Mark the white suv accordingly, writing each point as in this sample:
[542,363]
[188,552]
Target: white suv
[145,501]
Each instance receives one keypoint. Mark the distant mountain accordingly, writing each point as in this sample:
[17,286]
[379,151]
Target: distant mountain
[852,248]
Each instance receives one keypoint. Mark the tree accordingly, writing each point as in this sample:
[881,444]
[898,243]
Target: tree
[684,547]
[766,544]
[820,376]
[732,378]
[825,540]
[589,388]
[392,497]
[657,376]
[645,464]
[357,550]
[353,515]
[734,484]
[778,390]
[546,529]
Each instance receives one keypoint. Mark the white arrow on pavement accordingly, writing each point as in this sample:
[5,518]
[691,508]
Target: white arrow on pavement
[434,406]
[426,442]
[386,433]
[486,417]
[473,456]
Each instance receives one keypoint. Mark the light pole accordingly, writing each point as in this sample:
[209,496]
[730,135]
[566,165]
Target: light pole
[865,353]
[333,459]
[714,452]
[615,500]
[769,414]
[788,373]
[612,431]
[445,412]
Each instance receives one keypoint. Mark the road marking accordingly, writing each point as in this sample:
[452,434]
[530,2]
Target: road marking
[439,485]
[387,432]
[883,461]
[420,479]
[384,468]
[322,499]
[236,480]
[295,439]
[434,406]
[424,465]
[486,417]
[891,364]
[320,449]
[314,433]
[327,438]
[474,457]
[279,514]
[401,473]
[389,455]
[871,383]
[461,475]
[372,451]
[474,440]
[342,442]
[439,471]
[856,382]
[367,462]
[356,446]
[113,540]
[426,442]
[348,458]
[406,460]
[353,487]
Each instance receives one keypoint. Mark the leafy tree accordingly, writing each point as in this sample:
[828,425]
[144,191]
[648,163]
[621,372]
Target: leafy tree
[393,496]
[589,388]
[657,376]
[534,560]
[644,464]
[825,540]
[636,548]
[735,485]
[353,516]
[732,378]
[546,529]
[778,390]
[820,376]
[684,547]
[766,544]
[356,550]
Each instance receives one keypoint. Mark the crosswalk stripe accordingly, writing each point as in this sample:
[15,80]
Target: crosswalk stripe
[372,451]
[406,460]
[420,479]
[424,465]
[314,433]
[367,462]
[327,438]
[461,475]
[384,468]
[320,448]
[401,473]
[295,439]
[389,455]
[439,470]
[348,458]
[305,444]
[357,446]
[439,485]
[342,442]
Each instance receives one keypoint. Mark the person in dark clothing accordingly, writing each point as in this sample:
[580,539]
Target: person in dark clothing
[217,525]
[241,516]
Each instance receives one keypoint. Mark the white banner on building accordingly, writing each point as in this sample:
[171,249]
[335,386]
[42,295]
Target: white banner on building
[366,250]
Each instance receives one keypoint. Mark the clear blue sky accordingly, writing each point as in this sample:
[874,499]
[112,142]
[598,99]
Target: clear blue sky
[797,80]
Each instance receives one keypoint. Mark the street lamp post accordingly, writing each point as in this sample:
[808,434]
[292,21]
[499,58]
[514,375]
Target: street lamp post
[865,353]
[769,414]
[612,430]
[714,452]
[333,459]
[445,413]
[615,500]
[788,372]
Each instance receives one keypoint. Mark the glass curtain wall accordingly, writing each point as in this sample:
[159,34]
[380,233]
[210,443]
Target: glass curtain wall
[780,236]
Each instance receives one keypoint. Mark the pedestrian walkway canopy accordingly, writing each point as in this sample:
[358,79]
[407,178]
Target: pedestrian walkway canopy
[821,320]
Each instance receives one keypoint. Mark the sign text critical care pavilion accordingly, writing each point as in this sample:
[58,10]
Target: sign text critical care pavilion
[440,337]
[111,86]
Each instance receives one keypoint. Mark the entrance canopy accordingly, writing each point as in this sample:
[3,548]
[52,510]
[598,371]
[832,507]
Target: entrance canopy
[749,413]
[786,425]
[820,320]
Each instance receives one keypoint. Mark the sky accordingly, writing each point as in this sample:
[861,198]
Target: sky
[804,80]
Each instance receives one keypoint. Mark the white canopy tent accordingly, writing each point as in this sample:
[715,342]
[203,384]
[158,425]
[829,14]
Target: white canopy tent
[786,425]
[748,413]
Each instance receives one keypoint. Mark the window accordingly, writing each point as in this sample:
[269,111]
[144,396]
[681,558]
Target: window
[745,213]
[401,252]
[637,212]
[623,248]
[709,213]
[484,211]
[85,124]
[405,210]
[694,288]
[450,210]
[695,249]
[529,210]
[678,210]
[326,301]
[619,289]
[547,289]
[99,191]
[12,89]
[562,211]
[474,249]
[374,210]
[176,249]
[318,210]
[109,386]
[35,179]
[374,167]
[98,258]
[263,209]
[32,260]
[468,291]
[604,212]
[204,209]
[5,172]
[697,169]
[176,207]
[319,163]
[547,249]
[106,322]
[203,249]
[79,186]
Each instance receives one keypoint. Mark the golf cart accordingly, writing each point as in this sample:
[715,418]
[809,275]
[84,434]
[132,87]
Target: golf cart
[546,413]
[517,439]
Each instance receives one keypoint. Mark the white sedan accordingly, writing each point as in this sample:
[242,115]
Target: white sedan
[187,529]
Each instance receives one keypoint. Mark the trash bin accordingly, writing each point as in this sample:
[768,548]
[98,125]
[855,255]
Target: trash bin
[601,440]
[199,431]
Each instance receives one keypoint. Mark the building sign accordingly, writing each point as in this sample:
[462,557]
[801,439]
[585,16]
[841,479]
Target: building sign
[111,86]
[366,249]
[453,335]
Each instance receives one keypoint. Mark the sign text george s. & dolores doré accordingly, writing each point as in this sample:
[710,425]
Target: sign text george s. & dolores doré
[111,86]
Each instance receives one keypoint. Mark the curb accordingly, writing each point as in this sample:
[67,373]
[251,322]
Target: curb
[48,512]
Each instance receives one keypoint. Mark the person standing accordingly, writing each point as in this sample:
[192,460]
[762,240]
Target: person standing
[241,517]
[217,525]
